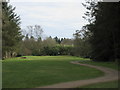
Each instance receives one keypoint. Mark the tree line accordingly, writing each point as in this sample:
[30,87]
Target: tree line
[49,46]
[98,40]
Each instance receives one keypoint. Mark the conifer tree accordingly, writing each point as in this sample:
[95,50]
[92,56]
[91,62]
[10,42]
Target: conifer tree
[103,25]
[11,34]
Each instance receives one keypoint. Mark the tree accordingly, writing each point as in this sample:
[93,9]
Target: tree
[38,31]
[103,26]
[67,41]
[11,33]
[57,40]
[34,31]
[26,37]
[82,46]
[49,42]
[32,42]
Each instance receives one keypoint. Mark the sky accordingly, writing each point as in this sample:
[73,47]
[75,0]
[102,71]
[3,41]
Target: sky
[56,17]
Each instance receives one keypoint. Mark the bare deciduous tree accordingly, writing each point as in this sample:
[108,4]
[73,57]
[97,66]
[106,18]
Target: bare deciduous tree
[38,31]
[33,31]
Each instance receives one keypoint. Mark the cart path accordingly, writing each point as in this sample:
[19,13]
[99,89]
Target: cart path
[110,75]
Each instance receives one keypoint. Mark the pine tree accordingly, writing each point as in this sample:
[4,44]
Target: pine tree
[104,23]
[11,34]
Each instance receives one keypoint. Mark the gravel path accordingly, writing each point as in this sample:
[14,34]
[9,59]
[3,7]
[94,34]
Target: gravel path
[110,75]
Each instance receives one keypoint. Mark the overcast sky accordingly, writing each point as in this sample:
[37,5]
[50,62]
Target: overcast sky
[57,17]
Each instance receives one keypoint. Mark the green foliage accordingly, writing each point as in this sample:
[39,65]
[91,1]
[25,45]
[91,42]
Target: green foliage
[63,41]
[11,34]
[57,50]
[57,40]
[66,41]
[82,46]
[65,50]
[104,32]
[49,42]
[30,46]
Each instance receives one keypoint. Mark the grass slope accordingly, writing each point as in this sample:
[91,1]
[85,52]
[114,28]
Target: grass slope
[38,71]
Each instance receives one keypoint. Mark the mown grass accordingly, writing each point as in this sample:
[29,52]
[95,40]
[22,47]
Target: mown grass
[112,65]
[112,84]
[36,71]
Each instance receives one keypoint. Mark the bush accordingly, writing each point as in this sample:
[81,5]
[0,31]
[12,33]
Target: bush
[57,50]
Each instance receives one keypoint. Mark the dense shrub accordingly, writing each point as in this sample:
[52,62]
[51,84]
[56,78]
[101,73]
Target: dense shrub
[57,50]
